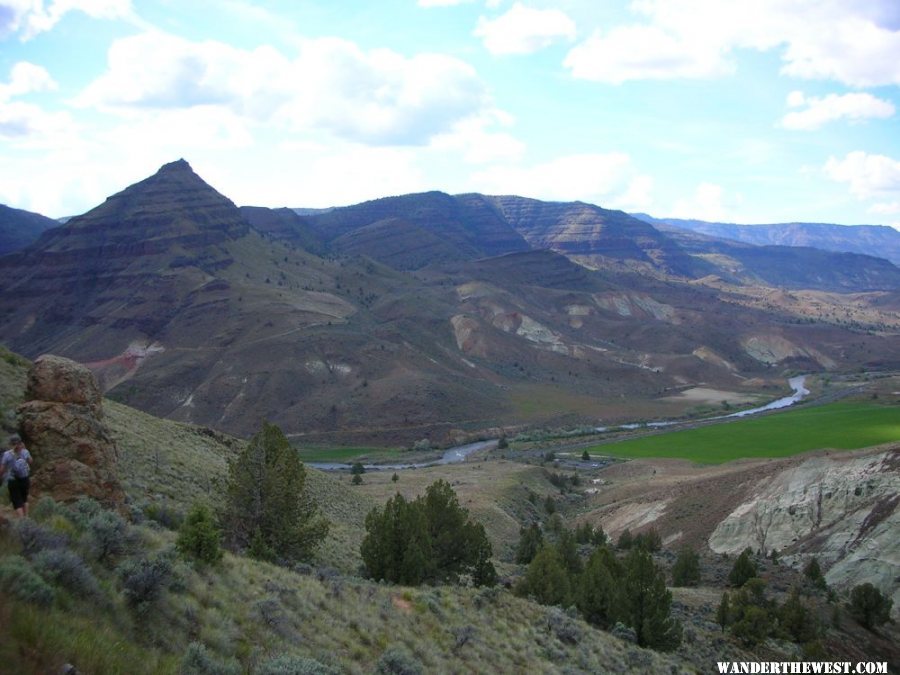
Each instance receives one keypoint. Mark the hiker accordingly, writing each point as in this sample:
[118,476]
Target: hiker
[15,468]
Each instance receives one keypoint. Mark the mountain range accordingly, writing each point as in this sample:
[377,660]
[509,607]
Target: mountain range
[428,315]
[880,241]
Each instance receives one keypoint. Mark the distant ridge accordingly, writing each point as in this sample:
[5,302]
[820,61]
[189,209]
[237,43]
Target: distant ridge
[880,241]
[426,315]
[19,228]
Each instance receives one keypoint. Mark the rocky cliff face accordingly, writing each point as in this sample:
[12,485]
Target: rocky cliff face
[844,510]
[62,425]
[584,229]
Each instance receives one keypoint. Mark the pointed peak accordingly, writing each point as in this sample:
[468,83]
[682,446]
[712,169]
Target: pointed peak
[178,166]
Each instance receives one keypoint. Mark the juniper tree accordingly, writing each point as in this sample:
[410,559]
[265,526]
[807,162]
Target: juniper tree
[267,507]
[645,603]
[743,569]
[870,606]
[199,538]
[546,579]
[428,539]
[723,612]
[530,541]
[686,570]
[595,596]
[813,572]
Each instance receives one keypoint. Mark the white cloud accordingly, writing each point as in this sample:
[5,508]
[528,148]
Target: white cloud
[441,3]
[477,142]
[26,123]
[856,43]
[611,180]
[886,208]
[377,96]
[25,78]
[704,204]
[30,17]
[453,3]
[869,176]
[524,30]
[642,53]
[819,111]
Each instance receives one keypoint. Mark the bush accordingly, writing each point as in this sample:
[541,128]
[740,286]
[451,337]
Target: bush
[294,665]
[45,508]
[564,627]
[870,606]
[144,580]
[199,538]
[66,568]
[168,516]
[83,511]
[108,536]
[18,579]
[36,538]
[198,660]
[397,660]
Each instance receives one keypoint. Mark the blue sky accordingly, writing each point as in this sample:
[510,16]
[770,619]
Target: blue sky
[775,110]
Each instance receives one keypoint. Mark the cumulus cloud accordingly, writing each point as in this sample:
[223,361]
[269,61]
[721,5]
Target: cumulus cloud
[524,30]
[611,180]
[705,204]
[886,208]
[819,111]
[856,43]
[453,3]
[377,96]
[477,140]
[28,18]
[869,176]
[27,123]
[25,78]
[643,53]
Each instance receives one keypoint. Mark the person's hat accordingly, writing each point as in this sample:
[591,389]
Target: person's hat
[15,438]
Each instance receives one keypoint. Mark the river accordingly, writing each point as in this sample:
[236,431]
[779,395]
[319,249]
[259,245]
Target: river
[450,456]
[460,452]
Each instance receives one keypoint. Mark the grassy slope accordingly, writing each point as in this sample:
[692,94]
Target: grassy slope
[845,425]
[251,611]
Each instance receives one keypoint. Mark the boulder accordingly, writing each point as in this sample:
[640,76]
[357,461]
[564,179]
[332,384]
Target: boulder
[60,380]
[61,424]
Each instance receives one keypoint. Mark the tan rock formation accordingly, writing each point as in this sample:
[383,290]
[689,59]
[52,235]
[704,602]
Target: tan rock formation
[62,425]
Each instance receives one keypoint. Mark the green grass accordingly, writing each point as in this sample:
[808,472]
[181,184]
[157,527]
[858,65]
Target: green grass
[846,425]
[349,454]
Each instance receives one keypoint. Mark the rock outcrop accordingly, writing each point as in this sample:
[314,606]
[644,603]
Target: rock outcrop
[62,425]
[842,509]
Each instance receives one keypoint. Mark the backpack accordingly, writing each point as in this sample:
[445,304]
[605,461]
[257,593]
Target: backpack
[20,468]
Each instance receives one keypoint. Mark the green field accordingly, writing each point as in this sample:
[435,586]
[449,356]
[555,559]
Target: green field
[845,426]
[350,454]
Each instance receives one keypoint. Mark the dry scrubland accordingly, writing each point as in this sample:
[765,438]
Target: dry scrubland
[247,612]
